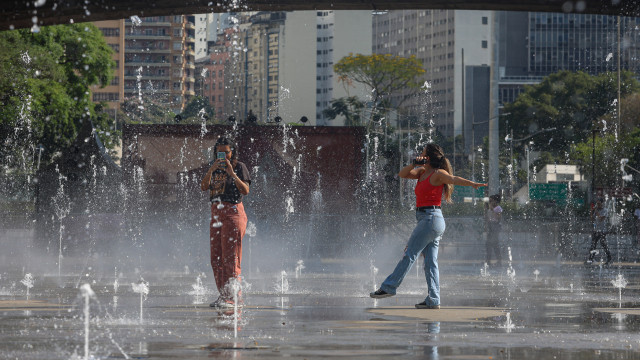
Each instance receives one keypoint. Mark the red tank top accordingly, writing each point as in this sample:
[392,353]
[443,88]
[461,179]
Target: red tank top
[427,194]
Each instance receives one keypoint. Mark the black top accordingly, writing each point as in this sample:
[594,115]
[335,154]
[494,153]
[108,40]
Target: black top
[222,186]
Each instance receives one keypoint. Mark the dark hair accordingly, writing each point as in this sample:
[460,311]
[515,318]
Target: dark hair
[223,141]
[437,160]
[495,198]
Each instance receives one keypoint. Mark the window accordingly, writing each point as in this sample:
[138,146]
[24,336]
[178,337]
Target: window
[177,45]
[106,97]
[485,20]
[220,85]
[484,44]
[110,32]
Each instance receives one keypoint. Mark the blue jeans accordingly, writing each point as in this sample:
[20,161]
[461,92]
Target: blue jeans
[424,239]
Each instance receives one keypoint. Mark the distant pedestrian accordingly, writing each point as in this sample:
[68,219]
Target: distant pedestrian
[600,218]
[227,181]
[435,179]
[494,226]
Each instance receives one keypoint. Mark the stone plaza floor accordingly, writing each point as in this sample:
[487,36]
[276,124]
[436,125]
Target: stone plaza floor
[526,311]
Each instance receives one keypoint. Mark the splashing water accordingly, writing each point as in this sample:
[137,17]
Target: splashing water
[135,20]
[484,270]
[508,324]
[510,271]
[87,293]
[620,282]
[374,272]
[536,272]
[142,288]
[283,286]
[28,282]
[299,267]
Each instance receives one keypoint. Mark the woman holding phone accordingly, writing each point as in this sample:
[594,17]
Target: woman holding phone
[227,181]
[435,181]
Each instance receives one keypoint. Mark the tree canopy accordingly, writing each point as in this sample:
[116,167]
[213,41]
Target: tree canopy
[570,102]
[45,80]
[349,107]
[384,74]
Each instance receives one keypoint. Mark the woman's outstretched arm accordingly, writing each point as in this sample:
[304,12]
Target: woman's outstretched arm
[443,177]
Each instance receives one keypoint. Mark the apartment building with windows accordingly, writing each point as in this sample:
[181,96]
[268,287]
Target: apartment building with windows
[446,41]
[282,63]
[113,94]
[160,59]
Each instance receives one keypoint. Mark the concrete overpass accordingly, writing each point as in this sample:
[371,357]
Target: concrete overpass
[24,13]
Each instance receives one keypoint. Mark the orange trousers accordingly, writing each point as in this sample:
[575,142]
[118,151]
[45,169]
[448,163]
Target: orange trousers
[227,228]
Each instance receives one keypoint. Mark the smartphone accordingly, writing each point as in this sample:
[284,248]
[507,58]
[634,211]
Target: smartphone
[222,155]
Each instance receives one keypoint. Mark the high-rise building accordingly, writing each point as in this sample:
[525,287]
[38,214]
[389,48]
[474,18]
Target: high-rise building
[160,59]
[113,93]
[534,45]
[203,34]
[211,70]
[445,41]
[282,63]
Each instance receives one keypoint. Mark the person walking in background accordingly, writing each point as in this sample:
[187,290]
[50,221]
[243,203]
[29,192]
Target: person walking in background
[494,225]
[227,181]
[600,216]
[435,180]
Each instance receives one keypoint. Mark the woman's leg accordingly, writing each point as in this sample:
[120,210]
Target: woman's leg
[431,272]
[417,242]
[233,229]
[215,242]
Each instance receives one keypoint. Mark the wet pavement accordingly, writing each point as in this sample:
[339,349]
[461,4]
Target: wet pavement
[560,311]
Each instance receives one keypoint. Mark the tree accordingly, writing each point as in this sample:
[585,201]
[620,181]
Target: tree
[45,80]
[349,107]
[609,150]
[197,109]
[385,75]
[150,111]
[568,101]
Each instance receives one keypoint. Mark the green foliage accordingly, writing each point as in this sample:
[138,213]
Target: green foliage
[197,109]
[45,81]
[609,149]
[568,101]
[384,74]
[349,107]
[148,112]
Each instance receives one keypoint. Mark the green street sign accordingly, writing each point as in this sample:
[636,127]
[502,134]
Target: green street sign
[557,192]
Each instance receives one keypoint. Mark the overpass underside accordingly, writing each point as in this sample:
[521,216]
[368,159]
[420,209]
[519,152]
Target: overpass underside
[24,13]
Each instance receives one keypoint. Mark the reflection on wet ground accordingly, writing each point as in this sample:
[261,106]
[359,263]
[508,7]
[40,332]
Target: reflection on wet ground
[562,312]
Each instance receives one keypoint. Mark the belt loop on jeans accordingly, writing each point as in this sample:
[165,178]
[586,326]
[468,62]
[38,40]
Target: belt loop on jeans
[424,208]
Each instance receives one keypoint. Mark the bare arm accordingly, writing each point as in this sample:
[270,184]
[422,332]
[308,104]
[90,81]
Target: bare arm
[411,172]
[442,177]
[206,180]
[241,185]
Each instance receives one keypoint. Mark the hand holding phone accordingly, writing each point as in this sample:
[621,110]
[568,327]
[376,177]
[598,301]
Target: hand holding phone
[222,157]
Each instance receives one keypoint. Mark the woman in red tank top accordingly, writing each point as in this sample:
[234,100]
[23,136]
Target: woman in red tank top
[435,180]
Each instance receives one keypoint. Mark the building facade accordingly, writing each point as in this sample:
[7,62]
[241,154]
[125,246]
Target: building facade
[534,45]
[160,60]
[281,63]
[446,42]
[113,94]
